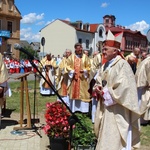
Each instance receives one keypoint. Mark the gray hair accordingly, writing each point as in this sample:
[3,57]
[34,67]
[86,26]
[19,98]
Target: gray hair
[69,50]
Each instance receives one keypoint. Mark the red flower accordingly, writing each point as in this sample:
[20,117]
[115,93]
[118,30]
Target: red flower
[56,120]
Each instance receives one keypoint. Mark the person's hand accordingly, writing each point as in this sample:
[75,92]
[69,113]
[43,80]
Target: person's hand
[99,90]
[1,89]
[81,71]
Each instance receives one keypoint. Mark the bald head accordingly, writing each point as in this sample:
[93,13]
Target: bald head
[144,55]
[136,51]
[48,56]
[86,52]
[68,52]
[95,53]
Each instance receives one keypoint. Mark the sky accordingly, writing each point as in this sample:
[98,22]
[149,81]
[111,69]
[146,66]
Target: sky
[36,14]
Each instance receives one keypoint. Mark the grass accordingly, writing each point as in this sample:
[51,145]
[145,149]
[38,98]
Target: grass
[145,135]
[13,103]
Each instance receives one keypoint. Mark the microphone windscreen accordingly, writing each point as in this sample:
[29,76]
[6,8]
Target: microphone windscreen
[17,46]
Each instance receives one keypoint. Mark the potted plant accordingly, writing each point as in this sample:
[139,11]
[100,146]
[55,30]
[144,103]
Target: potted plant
[57,127]
[84,139]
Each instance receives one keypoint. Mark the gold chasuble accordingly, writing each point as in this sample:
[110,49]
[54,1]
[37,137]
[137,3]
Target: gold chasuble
[62,78]
[78,89]
[3,82]
[49,73]
[3,71]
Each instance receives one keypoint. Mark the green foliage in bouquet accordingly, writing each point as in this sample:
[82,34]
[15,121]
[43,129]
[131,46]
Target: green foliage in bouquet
[80,136]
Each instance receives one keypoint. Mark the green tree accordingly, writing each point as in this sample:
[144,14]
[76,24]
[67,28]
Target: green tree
[30,50]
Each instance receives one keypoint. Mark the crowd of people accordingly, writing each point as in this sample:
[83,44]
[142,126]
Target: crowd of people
[19,66]
[116,87]
[14,65]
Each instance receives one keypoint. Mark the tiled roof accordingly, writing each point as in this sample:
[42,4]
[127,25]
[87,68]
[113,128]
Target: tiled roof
[35,43]
[117,29]
[65,21]
[24,43]
[93,27]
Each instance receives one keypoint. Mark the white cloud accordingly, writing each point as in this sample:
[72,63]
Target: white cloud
[31,18]
[67,19]
[40,23]
[26,34]
[104,5]
[139,26]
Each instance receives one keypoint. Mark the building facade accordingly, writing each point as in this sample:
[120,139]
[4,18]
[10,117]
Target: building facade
[9,27]
[61,35]
[130,40]
[35,46]
[148,38]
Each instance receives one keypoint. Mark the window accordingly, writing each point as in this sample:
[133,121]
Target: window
[9,26]
[88,27]
[87,44]
[0,24]
[136,44]
[142,45]
[107,20]
[80,41]
[9,48]
[80,26]
[126,44]
[100,33]
[10,6]
[1,3]
[129,44]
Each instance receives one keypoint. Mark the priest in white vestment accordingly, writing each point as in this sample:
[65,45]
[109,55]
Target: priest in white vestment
[116,122]
[143,84]
[49,73]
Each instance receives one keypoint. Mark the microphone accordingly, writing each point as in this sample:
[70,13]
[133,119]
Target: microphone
[30,56]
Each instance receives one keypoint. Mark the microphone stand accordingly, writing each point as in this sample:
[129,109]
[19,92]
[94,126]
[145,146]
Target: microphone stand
[73,118]
[33,124]
[34,96]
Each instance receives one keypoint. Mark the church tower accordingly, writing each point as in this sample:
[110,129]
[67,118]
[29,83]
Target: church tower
[109,20]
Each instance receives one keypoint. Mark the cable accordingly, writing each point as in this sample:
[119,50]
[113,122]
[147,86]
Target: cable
[28,134]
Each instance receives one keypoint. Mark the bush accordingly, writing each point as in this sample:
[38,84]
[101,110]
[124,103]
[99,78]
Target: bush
[80,136]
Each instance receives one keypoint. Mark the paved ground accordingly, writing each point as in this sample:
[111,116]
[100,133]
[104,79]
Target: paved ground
[28,140]
[31,139]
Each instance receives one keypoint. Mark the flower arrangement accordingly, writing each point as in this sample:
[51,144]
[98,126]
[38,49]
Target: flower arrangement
[57,120]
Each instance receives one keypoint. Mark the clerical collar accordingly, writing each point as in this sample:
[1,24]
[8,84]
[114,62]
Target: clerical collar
[79,56]
[112,60]
[108,63]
